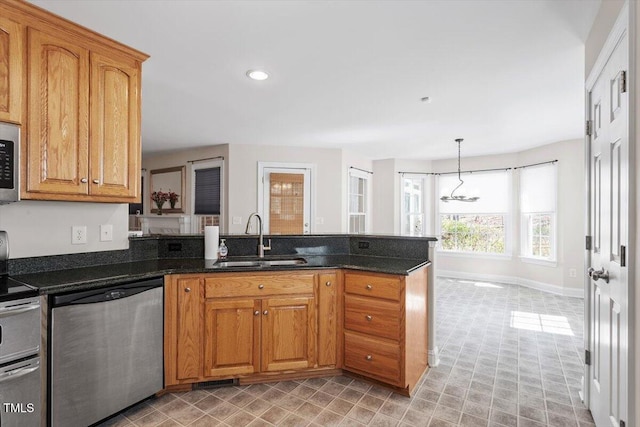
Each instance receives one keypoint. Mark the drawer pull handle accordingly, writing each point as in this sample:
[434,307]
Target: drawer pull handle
[369,287]
[257,312]
[368,317]
[187,290]
[328,283]
[265,312]
[261,286]
[369,357]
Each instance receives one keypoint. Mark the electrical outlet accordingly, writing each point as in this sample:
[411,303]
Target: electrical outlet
[106,233]
[572,272]
[236,220]
[79,235]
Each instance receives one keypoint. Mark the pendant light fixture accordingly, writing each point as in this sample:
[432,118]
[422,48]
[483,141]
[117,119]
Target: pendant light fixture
[461,198]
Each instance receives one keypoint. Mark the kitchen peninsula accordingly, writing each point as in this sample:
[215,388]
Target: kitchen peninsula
[356,304]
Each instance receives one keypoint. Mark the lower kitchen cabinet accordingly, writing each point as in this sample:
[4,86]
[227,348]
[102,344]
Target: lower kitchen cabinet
[229,325]
[385,327]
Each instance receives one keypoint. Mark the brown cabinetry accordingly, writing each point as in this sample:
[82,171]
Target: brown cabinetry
[244,325]
[385,327]
[11,70]
[81,95]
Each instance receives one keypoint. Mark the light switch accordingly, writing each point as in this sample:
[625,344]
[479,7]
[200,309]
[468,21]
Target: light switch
[236,220]
[106,233]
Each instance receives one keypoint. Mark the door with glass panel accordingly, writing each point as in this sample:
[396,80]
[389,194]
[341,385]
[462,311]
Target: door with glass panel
[286,200]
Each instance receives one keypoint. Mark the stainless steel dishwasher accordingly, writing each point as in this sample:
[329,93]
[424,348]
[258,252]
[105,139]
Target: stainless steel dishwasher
[106,351]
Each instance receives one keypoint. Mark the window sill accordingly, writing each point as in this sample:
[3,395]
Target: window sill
[478,255]
[539,261]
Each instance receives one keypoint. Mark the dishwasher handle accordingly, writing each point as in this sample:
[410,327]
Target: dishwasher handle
[107,294]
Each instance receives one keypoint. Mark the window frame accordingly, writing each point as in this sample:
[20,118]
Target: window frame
[208,164]
[526,252]
[507,218]
[423,205]
[366,178]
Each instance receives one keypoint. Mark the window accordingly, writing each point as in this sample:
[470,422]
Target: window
[358,200]
[207,194]
[538,211]
[476,227]
[413,216]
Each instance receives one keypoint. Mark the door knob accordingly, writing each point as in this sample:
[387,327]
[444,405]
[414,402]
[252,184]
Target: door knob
[260,286]
[96,181]
[265,312]
[369,357]
[598,274]
[257,312]
[328,283]
[369,287]
[187,290]
[83,180]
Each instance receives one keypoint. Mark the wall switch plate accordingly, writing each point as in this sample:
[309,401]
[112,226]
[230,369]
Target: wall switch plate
[79,235]
[572,272]
[106,233]
[236,220]
[320,220]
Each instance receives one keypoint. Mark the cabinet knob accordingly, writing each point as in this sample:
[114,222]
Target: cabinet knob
[187,290]
[257,312]
[369,357]
[328,283]
[84,180]
[369,287]
[260,286]
[265,312]
[368,317]
[96,181]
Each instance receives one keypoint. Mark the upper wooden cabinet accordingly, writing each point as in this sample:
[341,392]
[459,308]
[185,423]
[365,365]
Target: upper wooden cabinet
[115,126]
[58,126]
[81,131]
[11,70]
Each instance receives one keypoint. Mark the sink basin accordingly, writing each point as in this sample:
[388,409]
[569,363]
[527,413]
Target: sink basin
[275,262]
[261,263]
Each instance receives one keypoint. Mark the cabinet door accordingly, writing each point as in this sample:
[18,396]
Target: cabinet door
[185,358]
[232,337]
[58,126]
[11,70]
[115,127]
[327,319]
[288,333]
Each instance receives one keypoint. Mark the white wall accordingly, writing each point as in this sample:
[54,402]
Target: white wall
[607,15]
[39,228]
[385,197]
[243,172]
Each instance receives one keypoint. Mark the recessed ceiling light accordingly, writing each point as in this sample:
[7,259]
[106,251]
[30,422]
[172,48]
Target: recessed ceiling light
[257,75]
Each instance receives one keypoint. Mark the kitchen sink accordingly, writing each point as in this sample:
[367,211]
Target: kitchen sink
[261,263]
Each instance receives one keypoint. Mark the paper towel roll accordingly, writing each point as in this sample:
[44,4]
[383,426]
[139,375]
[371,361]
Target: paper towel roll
[211,239]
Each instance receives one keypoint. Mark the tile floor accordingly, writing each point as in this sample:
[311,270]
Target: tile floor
[510,356]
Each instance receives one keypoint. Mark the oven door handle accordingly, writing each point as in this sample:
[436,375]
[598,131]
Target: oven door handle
[11,311]
[17,373]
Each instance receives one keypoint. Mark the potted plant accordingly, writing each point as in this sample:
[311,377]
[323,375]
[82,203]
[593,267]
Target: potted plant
[173,199]
[159,197]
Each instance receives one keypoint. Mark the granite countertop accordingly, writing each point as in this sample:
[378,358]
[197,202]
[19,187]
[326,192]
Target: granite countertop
[53,282]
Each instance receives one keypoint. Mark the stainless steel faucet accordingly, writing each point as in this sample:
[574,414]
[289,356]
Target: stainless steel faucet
[261,246]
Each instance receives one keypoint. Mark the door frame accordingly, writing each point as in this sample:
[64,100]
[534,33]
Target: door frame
[310,167]
[623,24]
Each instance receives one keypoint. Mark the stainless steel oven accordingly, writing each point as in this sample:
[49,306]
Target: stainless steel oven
[9,163]
[20,338]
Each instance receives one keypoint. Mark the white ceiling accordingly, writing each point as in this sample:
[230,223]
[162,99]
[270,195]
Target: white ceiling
[506,75]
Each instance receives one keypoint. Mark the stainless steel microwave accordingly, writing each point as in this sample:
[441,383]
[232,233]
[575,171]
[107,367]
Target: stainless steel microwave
[9,163]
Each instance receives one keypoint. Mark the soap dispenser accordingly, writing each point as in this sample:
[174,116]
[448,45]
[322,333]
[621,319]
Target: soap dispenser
[222,250]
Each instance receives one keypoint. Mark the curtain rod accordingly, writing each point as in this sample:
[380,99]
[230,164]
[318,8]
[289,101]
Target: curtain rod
[361,170]
[478,170]
[208,158]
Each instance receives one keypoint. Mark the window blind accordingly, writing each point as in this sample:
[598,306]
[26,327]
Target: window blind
[491,187]
[538,188]
[207,191]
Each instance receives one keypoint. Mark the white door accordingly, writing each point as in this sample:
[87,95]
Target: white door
[608,286]
[285,200]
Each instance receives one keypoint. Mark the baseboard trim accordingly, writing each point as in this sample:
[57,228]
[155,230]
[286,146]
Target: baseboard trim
[541,286]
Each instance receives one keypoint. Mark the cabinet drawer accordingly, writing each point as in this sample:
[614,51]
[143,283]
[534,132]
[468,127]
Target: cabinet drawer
[257,286]
[373,357]
[373,286]
[372,316]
